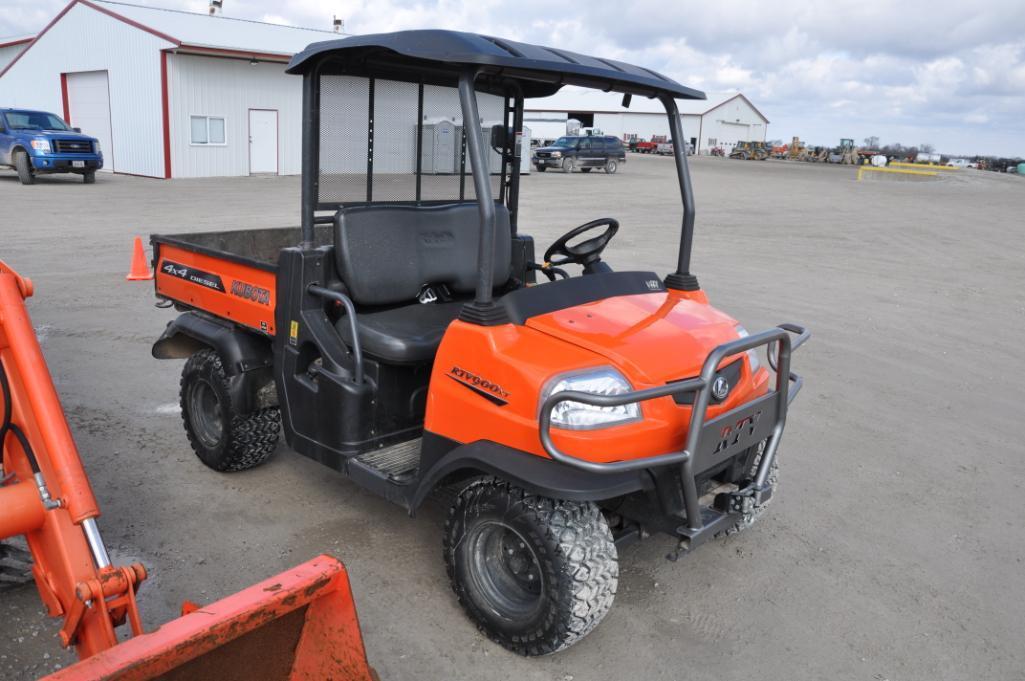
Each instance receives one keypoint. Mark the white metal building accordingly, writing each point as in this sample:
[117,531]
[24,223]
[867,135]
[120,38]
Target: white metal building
[719,121]
[11,47]
[167,93]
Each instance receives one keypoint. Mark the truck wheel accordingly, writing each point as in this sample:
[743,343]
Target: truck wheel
[568,165]
[90,177]
[24,168]
[535,574]
[222,438]
[541,169]
[611,166]
[753,512]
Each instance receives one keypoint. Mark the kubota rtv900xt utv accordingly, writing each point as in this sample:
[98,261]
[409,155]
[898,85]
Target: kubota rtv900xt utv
[399,336]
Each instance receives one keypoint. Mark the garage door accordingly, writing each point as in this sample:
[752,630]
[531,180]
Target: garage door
[733,133]
[89,109]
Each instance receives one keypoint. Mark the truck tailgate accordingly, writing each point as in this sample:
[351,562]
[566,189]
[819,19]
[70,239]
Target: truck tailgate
[228,286]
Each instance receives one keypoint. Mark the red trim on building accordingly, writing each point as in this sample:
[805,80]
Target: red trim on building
[128,21]
[91,5]
[185,48]
[64,98]
[165,105]
[20,41]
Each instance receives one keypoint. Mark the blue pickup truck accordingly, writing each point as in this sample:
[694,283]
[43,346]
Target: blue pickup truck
[37,142]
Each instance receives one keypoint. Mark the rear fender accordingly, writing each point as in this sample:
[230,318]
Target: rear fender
[536,474]
[246,356]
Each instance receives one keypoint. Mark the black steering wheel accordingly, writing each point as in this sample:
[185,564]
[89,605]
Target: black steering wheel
[586,252]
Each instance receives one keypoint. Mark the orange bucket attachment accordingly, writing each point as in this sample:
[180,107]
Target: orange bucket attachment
[300,624]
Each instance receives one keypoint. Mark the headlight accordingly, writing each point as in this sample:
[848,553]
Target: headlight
[96,147]
[579,416]
[556,154]
[41,145]
[752,354]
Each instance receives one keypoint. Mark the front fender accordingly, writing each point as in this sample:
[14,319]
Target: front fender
[536,474]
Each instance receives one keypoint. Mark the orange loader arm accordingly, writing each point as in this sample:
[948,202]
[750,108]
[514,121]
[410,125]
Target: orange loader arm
[303,621]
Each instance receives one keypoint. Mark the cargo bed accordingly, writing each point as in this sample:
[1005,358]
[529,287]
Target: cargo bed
[230,274]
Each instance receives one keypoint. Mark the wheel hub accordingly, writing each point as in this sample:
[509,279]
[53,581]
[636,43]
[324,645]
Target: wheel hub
[505,570]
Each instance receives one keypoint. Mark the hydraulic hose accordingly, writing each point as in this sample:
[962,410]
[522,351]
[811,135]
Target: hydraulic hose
[7,424]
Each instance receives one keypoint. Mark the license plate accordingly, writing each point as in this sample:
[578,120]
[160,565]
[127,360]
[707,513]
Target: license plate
[78,164]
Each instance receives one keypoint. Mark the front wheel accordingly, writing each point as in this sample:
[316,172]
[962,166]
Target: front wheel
[541,169]
[90,177]
[24,168]
[223,438]
[535,574]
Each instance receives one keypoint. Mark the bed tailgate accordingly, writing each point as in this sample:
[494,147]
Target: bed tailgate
[226,286]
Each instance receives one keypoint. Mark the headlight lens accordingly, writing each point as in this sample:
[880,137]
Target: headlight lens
[556,154]
[578,416]
[96,147]
[41,145]
[752,354]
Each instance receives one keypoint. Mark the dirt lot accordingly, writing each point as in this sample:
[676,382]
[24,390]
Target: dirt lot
[895,550]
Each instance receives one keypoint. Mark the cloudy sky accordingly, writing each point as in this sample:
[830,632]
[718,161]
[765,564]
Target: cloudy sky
[945,72]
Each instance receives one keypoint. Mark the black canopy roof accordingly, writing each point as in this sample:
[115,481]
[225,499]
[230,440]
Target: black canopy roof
[438,56]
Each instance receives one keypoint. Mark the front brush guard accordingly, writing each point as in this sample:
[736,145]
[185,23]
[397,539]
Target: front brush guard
[708,442]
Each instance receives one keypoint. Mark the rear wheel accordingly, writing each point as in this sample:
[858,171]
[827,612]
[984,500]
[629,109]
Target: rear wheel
[611,166]
[223,438]
[535,574]
[90,177]
[24,168]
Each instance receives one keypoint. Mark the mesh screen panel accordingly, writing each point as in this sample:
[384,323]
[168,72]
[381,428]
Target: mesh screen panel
[372,126]
[344,134]
[395,114]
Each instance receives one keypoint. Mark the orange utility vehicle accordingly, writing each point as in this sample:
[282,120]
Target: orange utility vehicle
[399,336]
[300,624]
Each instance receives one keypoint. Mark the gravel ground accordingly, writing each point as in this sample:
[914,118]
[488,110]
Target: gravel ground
[894,550]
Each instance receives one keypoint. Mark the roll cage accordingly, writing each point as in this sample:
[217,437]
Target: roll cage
[472,65]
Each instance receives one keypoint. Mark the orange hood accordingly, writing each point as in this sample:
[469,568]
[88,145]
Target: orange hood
[651,337]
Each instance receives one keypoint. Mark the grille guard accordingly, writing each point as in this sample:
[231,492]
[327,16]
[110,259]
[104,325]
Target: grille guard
[707,441]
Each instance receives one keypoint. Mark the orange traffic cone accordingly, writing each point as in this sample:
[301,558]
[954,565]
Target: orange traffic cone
[140,270]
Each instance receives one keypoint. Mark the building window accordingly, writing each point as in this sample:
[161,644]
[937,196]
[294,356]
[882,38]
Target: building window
[208,131]
[712,141]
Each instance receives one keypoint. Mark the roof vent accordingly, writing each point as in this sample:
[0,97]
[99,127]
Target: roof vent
[339,25]
[216,6]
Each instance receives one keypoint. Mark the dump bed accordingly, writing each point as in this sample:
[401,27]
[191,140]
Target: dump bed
[230,274]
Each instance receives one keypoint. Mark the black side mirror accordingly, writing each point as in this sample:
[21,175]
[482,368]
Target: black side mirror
[499,137]
[77,129]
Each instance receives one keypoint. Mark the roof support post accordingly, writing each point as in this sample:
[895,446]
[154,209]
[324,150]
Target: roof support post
[682,279]
[483,309]
[311,155]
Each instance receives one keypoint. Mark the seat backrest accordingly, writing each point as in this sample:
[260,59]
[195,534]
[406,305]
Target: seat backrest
[386,254]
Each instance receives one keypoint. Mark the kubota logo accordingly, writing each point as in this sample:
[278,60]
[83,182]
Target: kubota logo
[257,294]
[483,387]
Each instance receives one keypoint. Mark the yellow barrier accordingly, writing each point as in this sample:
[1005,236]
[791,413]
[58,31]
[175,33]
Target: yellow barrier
[902,164]
[899,171]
